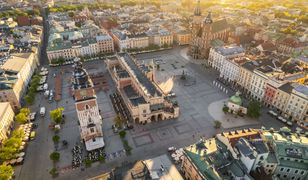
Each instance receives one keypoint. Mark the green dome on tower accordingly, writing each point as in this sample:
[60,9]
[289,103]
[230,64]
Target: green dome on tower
[236,99]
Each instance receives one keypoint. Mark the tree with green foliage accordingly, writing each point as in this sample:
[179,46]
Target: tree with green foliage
[101,159]
[7,153]
[25,111]
[6,172]
[126,146]
[18,133]
[225,109]
[165,46]
[21,118]
[56,115]
[29,98]
[88,162]
[71,14]
[10,147]
[217,124]
[122,134]
[118,121]
[56,139]
[54,156]
[61,60]
[54,172]
[253,109]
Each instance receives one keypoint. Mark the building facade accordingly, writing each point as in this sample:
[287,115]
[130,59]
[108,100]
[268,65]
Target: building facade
[6,119]
[182,37]
[297,104]
[91,47]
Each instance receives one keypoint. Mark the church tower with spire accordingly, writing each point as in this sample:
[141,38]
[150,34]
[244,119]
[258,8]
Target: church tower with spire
[204,32]
[196,30]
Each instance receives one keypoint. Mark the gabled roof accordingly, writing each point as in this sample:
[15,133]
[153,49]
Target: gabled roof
[220,25]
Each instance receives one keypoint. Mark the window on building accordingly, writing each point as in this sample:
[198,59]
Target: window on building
[281,169]
[92,130]
[285,176]
[288,170]
[296,171]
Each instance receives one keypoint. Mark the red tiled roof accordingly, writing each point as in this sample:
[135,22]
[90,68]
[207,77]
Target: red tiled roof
[292,42]
[268,46]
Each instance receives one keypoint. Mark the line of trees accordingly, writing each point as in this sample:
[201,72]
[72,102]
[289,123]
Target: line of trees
[22,116]
[34,84]
[18,12]
[6,172]
[287,15]
[10,147]
[79,7]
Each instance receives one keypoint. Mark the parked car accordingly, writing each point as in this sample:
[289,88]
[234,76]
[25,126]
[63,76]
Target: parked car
[51,93]
[42,111]
[272,113]
[32,135]
[46,93]
[45,87]
[50,99]
[282,119]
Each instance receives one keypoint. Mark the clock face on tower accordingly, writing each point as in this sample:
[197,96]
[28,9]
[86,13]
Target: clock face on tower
[83,93]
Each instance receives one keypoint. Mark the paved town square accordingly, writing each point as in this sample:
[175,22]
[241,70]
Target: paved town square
[135,89]
[148,140]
